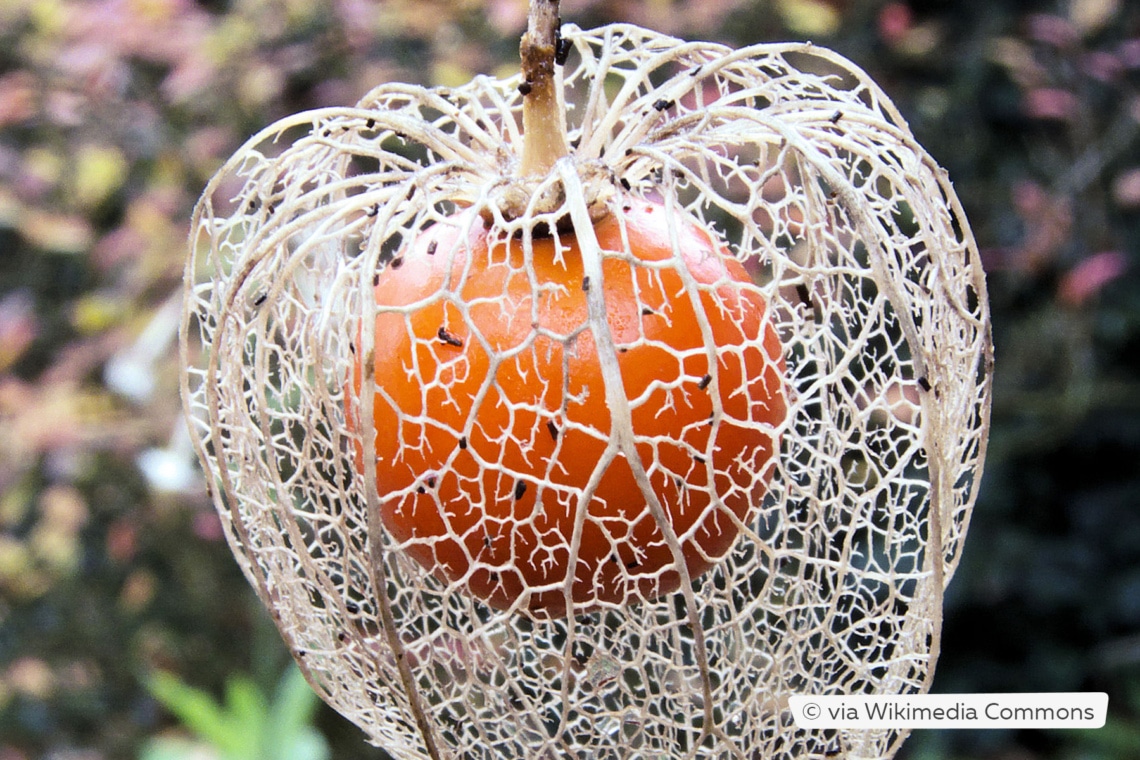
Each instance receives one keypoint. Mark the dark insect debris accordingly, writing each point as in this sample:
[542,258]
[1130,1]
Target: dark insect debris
[561,48]
[449,338]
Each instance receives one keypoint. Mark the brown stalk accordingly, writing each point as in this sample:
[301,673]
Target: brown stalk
[544,119]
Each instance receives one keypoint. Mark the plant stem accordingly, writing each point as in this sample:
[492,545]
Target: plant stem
[544,117]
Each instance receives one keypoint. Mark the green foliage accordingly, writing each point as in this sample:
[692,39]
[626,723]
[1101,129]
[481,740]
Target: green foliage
[1119,739]
[248,725]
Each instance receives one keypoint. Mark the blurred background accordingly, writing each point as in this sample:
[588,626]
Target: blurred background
[126,629]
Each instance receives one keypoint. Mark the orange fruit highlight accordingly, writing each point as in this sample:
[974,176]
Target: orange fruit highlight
[491,418]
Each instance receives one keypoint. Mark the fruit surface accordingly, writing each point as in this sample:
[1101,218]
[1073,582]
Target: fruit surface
[491,420]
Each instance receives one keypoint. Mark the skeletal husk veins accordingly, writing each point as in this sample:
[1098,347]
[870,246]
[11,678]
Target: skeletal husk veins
[810,180]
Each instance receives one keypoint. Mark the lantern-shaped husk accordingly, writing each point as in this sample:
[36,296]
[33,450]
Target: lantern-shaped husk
[850,233]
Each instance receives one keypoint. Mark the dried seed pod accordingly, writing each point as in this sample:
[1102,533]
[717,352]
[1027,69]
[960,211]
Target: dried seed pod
[836,440]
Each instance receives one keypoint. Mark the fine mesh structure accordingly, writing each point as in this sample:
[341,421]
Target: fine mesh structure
[771,513]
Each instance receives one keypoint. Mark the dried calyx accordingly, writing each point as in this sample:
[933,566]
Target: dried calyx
[831,215]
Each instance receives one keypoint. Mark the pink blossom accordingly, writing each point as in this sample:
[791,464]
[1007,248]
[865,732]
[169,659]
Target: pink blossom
[1051,103]
[1102,66]
[895,20]
[1087,278]
[1049,29]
